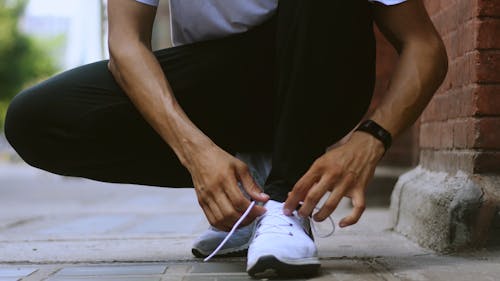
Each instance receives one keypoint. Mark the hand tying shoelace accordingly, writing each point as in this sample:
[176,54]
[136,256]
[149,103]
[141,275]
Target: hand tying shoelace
[235,226]
[279,228]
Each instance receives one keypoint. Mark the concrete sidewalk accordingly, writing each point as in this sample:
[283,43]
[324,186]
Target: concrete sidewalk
[56,228]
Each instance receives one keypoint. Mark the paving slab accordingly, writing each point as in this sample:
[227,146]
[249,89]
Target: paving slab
[116,270]
[49,218]
[17,271]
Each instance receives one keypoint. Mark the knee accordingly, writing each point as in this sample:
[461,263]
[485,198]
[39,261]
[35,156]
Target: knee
[15,120]
[20,123]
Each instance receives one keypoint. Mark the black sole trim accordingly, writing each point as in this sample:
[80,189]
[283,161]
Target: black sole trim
[241,253]
[271,267]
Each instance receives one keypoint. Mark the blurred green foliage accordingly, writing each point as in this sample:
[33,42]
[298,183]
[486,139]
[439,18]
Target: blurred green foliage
[22,59]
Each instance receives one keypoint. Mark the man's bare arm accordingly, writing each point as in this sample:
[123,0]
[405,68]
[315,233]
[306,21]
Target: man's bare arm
[215,173]
[138,72]
[347,169]
[422,64]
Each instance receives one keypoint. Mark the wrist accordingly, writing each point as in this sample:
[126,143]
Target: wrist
[369,143]
[194,148]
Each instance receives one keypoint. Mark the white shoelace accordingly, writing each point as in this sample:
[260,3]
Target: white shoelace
[279,227]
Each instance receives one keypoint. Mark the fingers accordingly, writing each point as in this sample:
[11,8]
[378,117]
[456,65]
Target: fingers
[312,198]
[240,203]
[299,191]
[359,205]
[212,215]
[219,194]
[219,207]
[229,213]
[208,213]
[249,184]
[334,198]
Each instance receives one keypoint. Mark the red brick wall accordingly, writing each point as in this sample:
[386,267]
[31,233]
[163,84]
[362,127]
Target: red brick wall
[460,129]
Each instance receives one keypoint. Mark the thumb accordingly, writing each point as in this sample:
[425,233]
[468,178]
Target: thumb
[251,187]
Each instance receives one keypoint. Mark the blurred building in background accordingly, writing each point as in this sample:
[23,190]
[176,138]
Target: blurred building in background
[76,25]
[75,31]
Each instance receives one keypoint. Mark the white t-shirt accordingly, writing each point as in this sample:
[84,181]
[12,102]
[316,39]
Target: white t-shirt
[200,20]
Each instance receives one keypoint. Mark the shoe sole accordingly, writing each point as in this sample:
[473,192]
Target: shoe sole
[238,253]
[271,267]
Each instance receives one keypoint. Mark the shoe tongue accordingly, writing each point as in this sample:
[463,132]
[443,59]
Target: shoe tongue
[275,215]
[274,206]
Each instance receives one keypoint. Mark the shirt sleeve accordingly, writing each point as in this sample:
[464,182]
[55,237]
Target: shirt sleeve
[149,2]
[388,2]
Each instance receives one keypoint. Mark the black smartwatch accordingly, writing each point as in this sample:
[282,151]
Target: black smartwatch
[374,129]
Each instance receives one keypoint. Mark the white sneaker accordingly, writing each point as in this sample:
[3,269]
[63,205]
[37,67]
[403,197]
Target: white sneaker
[237,246]
[282,246]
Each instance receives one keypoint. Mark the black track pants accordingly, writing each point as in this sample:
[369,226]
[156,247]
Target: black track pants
[291,86]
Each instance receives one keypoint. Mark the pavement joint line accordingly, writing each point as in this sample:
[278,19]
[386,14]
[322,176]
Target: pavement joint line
[380,270]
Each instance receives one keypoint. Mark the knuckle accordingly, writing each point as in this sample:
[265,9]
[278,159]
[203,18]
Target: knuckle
[336,172]
[330,179]
[315,194]
[360,204]
[299,190]
[350,182]
[311,198]
[351,178]
[239,165]
[217,179]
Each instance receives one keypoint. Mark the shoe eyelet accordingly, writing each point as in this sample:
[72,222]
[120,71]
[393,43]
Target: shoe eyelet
[291,224]
[289,233]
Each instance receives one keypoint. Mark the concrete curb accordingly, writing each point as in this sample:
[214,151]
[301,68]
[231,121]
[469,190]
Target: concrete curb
[441,211]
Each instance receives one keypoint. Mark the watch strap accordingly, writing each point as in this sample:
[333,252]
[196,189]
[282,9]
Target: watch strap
[374,129]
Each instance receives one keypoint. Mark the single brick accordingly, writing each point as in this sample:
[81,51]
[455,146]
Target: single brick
[488,66]
[487,34]
[488,100]
[488,8]
[488,135]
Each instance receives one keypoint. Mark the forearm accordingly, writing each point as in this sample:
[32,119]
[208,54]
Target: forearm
[138,72]
[421,69]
